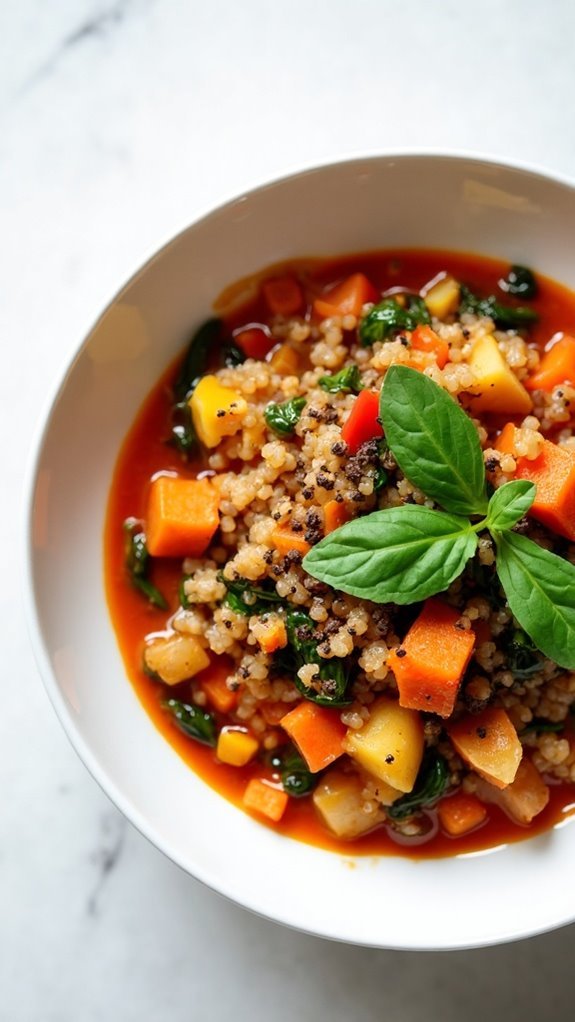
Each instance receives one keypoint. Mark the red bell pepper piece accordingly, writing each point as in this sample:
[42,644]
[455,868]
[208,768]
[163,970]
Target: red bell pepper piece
[363,421]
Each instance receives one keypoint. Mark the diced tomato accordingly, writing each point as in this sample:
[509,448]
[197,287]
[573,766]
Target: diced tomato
[363,421]
[346,298]
[255,341]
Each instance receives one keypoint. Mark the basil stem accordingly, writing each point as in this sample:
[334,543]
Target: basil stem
[137,563]
[192,721]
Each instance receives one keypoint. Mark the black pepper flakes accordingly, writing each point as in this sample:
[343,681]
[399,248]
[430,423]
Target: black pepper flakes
[481,732]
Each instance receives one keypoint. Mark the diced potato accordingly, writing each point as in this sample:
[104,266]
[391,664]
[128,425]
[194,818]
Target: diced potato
[217,411]
[389,745]
[489,743]
[441,295]
[236,747]
[496,387]
[175,658]
[337,799]
[523,799]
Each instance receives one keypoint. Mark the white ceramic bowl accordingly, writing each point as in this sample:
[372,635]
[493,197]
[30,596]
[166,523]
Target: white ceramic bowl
[407,200]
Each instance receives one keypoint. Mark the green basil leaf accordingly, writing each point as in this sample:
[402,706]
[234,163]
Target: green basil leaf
[399,555]
[296,778]
[388,318]
[192,721]
[433,441]
[283,418]
[519,282]
[540,590]
[431,782]
[510,503]
[348,379]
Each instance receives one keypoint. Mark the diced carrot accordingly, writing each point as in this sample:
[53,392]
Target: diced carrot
[283,295]
[425,339]
[460,813]
[488,742]
[429,665]
[347,298]
[335,513]
[285,360]
[261,797]
[557,366]
[362,422]
[181,517]
[284,539]
[553,472]
[318,733]
[255,341]
[275,635]
[213,683]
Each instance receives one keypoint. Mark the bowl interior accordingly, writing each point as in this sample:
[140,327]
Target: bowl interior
[418,201]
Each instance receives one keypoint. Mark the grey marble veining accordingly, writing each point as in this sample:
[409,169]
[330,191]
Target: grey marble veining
[120,121]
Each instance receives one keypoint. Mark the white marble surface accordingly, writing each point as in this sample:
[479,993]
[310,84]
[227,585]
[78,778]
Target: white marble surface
[119,122]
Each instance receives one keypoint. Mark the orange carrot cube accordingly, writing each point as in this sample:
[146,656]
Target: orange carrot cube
[182,516]
[318,733]
[262,797]
[553,472]
[460,813]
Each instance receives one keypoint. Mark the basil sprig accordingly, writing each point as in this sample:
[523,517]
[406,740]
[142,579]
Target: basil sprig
[406,554]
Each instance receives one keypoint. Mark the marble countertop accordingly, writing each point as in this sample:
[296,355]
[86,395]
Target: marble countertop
[121,120]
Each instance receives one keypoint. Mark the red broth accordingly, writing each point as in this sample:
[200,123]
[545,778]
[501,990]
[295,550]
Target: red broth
[145,452]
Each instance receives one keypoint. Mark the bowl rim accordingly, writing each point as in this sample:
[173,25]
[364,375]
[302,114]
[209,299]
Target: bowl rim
[111,788]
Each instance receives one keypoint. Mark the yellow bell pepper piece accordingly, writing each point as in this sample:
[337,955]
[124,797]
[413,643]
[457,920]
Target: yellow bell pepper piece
[496,387]
[217,411]
[236,747]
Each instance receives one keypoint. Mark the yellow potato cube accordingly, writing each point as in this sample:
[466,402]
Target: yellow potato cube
[338,801]
[389,745]
[496,387]
[236,747]
[217,411]
[441,295]
[175,658]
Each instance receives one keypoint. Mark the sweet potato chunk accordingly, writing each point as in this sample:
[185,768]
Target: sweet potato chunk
[523,799]
[489,743]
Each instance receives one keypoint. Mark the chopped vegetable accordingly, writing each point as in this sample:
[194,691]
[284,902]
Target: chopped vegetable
[283,296]
[461,813]
[217,411]
[348,379]
[347,298]
[175,658]
[523,659]
[519,282]
[389,318]
[181,517]
[192,721]
[524,798]
[231,355]
[283,418]
[262,797]
[204,341]
[330,683]
[272,634]
[363,421]
[506,317]
[425,339]
[183,435]
[335,513]
[496,387]
[431,660]
[285,360]
[255,341]
[441,295]
[285,538]
[489,743]
[556,367]
[246,598]
[137,563]
[338,801]
[296,779]
[318,733]
[236,747]
[389,745]
[432,780]
[553,473]
[214,684]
